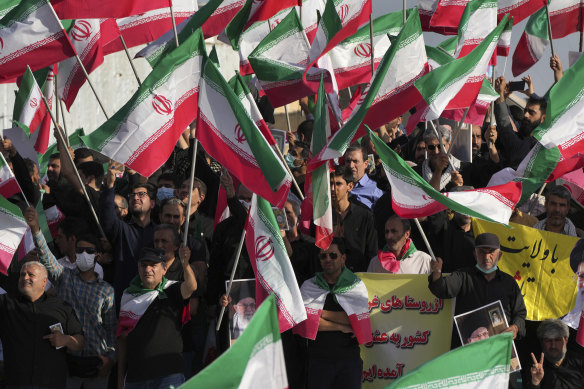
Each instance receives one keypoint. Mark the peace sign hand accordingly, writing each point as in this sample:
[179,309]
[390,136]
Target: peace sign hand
[536,370]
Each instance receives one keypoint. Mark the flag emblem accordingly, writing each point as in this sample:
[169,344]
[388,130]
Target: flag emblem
[263,248]
[34,102]
[343,12]
[162,105]
[239,136]
[81,30]
[363,50]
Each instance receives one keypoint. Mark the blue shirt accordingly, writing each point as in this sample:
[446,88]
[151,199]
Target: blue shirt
[366,191]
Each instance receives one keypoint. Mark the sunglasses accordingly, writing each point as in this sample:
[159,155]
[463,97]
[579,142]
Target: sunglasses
[330,255]
[88,250]
[433,147]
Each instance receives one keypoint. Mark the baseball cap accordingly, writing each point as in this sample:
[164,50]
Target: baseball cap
[151,254]
[487,240]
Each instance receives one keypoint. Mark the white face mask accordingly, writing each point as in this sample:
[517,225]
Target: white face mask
[85,261]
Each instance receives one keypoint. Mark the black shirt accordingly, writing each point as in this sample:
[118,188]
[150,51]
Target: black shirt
[154,346]
[359,236]
[29,359]
[570,374]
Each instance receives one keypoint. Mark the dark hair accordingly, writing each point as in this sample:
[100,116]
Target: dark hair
[559,191]
[197,183]
[149,188]
[305,128]
[305,153]
[74,226]
[172,229]
[344,172]
[407,226]
[82,153]
[92,168]
[340,242]
[167,176]
[537,100]
[55,156]
[29,165]
[357,147]
[91,238]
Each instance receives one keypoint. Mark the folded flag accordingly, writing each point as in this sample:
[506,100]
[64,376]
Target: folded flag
[272,268]
[149,26]
[532,44]
[11,233]
[143,133]
[95,9]
[413,197]
[228,127]
[31,35]
[483,364]
[88,37]
[256,360]
[390,93]
[8,184]
[29,109]
[351,294]
[457,83]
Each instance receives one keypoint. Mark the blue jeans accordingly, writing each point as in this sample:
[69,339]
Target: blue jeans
[168,382]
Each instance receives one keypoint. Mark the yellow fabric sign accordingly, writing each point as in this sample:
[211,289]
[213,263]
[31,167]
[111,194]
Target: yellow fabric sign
[540,263]
[410,326]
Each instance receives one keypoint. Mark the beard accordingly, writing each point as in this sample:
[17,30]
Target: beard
[527,127]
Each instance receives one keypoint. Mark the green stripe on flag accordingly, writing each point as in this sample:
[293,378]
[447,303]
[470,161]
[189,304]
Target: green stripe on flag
[27,87]
[9,209]
[387,24]
[537,25]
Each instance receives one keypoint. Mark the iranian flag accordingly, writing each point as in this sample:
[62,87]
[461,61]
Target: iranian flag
[12,229]
[519,9]
[351,59]
[29,109]
[390,93]
[532,44]
[279,61]
[88,37]
[427,8]
[149,26]
[309,12]
[252,12]
[143,133]
[413,197]
[505,39]
[448,13]
[221,16]
[95,9]
[255,360]
[229,127]
[478,20]
[44,131]
[565,17]
[477,111]
[483,364]
[457,83]
[320,177]
[156,50]
[339,21]
[271,265]
[8,184]
[31,35]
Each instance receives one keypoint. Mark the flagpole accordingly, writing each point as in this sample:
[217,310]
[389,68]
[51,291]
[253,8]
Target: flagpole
[371,43]
[60,102]
[547,10]
[130,59]
[192,182]
[425,239]
[173,23]
[59,107]
[492,121]
[536,200]
[56,92]
[80,64]
[60,135]
[438,136]
[405,12]
[235,263]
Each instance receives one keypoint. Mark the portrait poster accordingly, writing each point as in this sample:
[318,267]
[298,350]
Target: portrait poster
[242,306]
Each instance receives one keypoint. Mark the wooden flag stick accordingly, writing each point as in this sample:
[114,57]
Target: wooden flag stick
[60,102]
[405,12]
[130,60]
[60,135]
[371,43]
[547,9]
[425,239]
[173,23]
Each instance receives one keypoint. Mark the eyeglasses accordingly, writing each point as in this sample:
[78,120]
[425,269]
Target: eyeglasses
[88,250]
[139,194]
[330,255]
[433,147]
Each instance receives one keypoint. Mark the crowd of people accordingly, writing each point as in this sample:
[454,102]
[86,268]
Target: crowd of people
[129,296]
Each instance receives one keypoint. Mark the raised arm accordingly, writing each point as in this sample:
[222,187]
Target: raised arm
[54,268]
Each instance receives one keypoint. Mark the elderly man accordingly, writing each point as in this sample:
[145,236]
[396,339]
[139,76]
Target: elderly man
[556,368]
[482,285]
[557,206]
[439,169]
[365,189]
[36,330]
[151,318]
[400,254]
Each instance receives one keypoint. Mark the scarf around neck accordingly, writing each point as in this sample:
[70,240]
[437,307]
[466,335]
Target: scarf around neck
[389,260]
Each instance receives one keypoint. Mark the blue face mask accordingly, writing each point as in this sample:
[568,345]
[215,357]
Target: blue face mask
[164,193]
[493,269]
[290,161]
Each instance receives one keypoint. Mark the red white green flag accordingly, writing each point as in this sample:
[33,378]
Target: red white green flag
[271,265]
[12,229]
[457,83]
[255,360]
[143,133]
[31,35]
[390,93]
[44,131]
[477,111]
[413,197]
[427,8]
[566,17]
[29,109]
[309,16]
[505,39]
[8,184]
[149,26]
[448,13]
[279,61]
[221,16]
[532,44]
[95,9]
[228,127]
[519,9]
[340,20]
[478,20]
[88,37]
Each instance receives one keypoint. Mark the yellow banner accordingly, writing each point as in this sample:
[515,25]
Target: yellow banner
[540,263]
[410,326]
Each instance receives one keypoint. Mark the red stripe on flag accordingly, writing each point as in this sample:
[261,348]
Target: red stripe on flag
[96,9]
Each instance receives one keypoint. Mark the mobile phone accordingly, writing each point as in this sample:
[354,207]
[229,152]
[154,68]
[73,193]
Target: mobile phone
[516,86]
